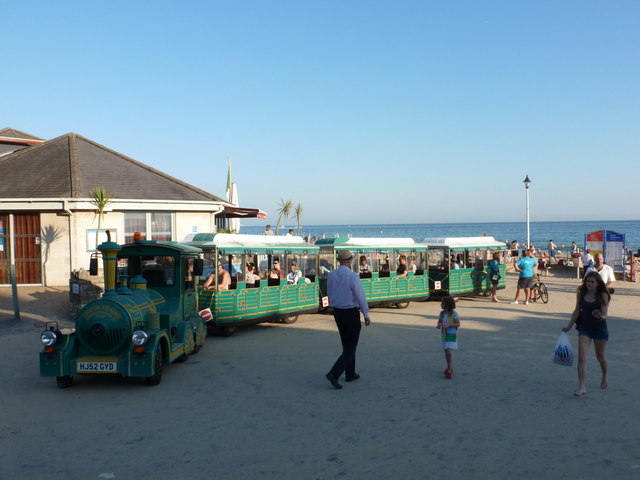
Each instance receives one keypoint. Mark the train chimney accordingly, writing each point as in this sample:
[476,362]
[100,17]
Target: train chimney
[109,252]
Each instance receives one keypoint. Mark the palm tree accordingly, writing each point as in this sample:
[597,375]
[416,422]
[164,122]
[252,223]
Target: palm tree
[298,214]
[284,211]
[100,199]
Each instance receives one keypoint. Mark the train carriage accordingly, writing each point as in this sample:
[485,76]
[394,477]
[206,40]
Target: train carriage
[266,299]
[146,318]
[378,261]
[459,265]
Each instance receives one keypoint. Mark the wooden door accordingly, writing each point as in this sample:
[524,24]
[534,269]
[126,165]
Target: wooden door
[27,248]
[4,249]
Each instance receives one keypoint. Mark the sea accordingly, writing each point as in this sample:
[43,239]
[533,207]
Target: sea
[562,233]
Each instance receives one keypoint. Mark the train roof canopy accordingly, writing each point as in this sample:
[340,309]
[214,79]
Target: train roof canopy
[147,244]
[235,240]
[345,242]
[463,242]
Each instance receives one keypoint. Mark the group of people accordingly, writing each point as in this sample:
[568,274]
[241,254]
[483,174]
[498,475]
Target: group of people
[268,231]
[403,268]
[290,233]
[550,256]
[591,309]
[251,275]
[346,297]
[527,264]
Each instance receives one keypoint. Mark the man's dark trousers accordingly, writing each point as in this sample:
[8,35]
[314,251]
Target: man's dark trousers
[349,326]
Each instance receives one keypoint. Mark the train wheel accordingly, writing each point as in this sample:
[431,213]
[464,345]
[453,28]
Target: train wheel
[225,331]
[199,335]
[289,319]
[64,382]
[182,358]
[402,305]
[156,378]
[189,346]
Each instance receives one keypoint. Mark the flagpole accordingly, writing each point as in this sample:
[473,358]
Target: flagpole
[229,181]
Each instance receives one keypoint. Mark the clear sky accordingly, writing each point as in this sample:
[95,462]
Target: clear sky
[361,111]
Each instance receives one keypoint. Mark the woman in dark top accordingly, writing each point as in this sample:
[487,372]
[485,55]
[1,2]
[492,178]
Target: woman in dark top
[494,275]
[590,316]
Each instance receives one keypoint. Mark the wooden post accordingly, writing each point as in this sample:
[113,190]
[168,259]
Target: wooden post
[14,291]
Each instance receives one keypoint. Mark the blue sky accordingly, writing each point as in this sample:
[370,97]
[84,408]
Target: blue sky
[361,111]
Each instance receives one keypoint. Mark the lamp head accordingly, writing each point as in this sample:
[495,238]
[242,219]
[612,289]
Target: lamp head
[526,182]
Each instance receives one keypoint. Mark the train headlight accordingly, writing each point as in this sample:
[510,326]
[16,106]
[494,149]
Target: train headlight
[48,338]
[139,337]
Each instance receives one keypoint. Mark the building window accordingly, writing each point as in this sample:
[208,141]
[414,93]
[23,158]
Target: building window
[134,222]
[159,224]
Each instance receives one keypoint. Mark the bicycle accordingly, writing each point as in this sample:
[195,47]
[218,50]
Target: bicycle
[539,291]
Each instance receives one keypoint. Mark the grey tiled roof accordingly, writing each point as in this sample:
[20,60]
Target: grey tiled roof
[13,133]
[70,166]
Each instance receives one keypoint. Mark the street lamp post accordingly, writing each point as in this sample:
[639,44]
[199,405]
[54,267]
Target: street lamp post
[527,182]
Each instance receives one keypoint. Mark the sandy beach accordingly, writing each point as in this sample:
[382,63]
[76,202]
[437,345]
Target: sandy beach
[257,405]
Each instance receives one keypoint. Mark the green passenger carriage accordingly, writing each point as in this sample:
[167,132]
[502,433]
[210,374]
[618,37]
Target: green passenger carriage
[267,299]
[147,316]
[459,265]
[382,284]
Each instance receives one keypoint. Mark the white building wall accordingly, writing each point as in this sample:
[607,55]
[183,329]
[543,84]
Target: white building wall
[83,241]
[67,242]
[193,222]
[54,243]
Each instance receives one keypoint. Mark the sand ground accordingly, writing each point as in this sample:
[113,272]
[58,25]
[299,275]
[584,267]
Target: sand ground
[257,405]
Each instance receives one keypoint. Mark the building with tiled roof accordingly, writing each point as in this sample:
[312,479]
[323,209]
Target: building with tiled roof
[12,140]
[48,223]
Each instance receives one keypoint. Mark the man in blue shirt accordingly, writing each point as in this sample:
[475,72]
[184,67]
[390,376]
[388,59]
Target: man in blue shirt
[346,296]
[525,266]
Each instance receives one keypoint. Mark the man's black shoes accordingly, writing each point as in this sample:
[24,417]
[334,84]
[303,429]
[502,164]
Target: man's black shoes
[334,381]
[353,378]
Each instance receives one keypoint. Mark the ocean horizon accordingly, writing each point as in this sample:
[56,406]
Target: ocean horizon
[561,232]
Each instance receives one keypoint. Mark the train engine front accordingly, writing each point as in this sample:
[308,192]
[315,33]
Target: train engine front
[131,330]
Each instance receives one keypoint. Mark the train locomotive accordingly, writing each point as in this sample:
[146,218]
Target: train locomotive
[146,318]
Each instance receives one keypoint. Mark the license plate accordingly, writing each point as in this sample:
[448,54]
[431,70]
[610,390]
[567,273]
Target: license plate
[97,367]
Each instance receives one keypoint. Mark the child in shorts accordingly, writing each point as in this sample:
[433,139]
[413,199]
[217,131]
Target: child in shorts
[448,323]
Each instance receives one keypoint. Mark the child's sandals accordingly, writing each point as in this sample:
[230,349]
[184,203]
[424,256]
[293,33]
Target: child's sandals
[448,373]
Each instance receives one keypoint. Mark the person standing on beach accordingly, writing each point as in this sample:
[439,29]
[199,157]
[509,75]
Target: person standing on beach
[525,266]
[574,247]
[587,261]
[448,323]
[605,271]
[268,231]
[346,296]
[552,247]
[494,275]
[590,317]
